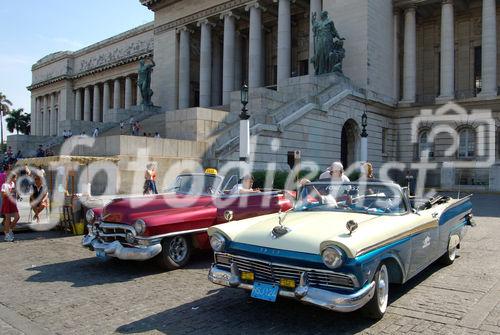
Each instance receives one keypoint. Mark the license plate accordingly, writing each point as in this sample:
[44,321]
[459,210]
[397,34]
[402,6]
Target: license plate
[101,254]
[267,292]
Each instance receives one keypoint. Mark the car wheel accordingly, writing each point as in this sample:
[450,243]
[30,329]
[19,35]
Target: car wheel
[376,307]
[175,252]
[449,256]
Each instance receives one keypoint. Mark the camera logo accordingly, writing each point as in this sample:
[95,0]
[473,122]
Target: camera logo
[455,137]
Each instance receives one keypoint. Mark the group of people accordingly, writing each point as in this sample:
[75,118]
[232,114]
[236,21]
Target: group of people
[8,201]
[40,152]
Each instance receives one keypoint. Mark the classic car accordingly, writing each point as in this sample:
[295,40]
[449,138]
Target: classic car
[170,226]
[340,246]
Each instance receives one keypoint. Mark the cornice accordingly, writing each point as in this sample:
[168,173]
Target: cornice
[90,72]
[193,18]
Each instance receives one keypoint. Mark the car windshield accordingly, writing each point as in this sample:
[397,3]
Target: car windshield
[196,184]
[369,198]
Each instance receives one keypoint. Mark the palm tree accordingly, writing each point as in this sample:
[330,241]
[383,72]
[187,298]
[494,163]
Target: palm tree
[5,105]
[19,121]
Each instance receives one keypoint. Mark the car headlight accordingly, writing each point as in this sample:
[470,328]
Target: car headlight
[332,257]
[140,226]
[90,215]
[218,242]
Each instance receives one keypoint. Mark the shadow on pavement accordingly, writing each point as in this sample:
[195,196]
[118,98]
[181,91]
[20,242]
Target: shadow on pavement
[36,235]
[227,310]
[93,271]
[224,309]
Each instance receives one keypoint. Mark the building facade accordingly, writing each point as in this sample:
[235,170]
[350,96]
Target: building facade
[402,56]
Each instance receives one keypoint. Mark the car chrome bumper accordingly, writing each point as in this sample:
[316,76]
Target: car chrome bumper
[117,250]
[311,295]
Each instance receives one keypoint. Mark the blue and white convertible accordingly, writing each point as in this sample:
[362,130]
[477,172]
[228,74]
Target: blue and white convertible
[341,245]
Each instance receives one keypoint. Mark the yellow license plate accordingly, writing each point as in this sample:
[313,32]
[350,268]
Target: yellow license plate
[247,276]
[288,283]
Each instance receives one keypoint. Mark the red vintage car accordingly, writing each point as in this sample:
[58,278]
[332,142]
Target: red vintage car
[170,226]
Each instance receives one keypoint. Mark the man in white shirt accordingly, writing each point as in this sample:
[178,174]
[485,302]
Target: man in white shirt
[335,173]
[245,186]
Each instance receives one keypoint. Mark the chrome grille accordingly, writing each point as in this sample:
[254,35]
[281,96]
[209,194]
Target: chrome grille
[273,272]
[109,232]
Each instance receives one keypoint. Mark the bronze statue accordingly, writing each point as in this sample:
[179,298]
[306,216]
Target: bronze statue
[144,81]
[328,45]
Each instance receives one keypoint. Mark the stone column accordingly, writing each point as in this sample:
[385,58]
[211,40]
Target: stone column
[105,98]
[489,50]
[395,55]
[238,45]
[410,57]
[78,104]
[255,46]
[284,41]
[139,96]
[447,84]
[315,7]
[96,106]
[228,56]
[53,115]
[205,63]
[184,67]
[33,115]
[116,94]
[46,116]
[128,92]
[216,71]
[86,104]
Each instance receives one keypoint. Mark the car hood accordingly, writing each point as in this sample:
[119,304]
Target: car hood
[311,232]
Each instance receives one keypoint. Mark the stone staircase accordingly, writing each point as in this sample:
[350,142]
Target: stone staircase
[321,97]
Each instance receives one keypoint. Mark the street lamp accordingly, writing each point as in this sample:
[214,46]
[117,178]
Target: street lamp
[244,101]
[364,137]
[244,126]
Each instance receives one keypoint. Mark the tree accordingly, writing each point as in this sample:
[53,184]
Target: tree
[5,105]
[19,121]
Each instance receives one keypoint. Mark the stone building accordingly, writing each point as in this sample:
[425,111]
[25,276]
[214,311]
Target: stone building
[402,56]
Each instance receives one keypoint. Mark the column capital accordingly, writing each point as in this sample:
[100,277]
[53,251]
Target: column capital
[205,21]
[184,28]
[410,8]
[228,13]
[255,4]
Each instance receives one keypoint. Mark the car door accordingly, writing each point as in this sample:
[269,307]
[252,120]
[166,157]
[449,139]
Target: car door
[424,242]
[245,206]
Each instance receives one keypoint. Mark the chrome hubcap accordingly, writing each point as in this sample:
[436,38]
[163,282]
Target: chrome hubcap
[383,288]
[178,249]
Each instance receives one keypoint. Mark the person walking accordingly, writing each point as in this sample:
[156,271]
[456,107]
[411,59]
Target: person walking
[96,132]
[149,180]
[121,127]
[9,207]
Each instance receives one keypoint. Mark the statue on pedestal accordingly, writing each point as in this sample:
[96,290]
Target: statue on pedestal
[329,49]
[144,81]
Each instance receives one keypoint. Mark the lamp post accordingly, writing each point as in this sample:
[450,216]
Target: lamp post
[244,125]
[364,138]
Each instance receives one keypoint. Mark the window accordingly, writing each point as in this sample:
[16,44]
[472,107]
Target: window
[497,143]
[477,70]
[424,145]
[467,144]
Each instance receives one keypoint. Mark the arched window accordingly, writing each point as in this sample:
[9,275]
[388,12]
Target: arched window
[424,144]
[467,145]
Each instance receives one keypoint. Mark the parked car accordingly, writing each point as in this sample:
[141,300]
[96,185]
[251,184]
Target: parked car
[171,226]
[341,246]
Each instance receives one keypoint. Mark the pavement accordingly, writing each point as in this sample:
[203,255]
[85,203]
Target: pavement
[50,285]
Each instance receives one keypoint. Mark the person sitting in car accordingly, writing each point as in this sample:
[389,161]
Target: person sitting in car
[335,173]
[245,186]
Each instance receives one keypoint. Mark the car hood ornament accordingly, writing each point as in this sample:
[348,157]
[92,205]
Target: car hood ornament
[280,230]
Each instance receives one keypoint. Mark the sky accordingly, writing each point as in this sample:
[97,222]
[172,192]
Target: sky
[32,29]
